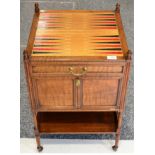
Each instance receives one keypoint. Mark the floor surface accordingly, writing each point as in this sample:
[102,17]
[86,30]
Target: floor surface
[28,145]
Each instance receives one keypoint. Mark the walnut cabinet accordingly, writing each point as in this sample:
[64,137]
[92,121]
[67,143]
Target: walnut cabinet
[77,68]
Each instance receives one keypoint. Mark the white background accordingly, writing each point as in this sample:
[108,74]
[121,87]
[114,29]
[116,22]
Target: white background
[144,60]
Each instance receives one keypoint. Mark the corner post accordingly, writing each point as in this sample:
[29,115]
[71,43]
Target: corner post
[26,58]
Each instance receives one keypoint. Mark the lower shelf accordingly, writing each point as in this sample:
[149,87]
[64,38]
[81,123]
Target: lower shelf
[77,122]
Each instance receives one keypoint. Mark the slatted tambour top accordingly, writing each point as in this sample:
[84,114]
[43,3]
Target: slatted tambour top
[77,33]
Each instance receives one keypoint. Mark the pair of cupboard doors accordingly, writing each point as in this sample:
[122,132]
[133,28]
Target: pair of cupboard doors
[77,86]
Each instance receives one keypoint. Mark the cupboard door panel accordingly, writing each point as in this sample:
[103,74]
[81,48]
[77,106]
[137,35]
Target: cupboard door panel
[55,93]
[100,92]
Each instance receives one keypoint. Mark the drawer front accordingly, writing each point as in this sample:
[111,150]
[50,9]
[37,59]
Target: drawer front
[77,69]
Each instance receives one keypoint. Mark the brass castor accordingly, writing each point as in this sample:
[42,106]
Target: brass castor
[115,148]
[39,148]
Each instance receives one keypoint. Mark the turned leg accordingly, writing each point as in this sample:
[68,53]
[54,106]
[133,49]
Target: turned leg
[115,147]
[37,135]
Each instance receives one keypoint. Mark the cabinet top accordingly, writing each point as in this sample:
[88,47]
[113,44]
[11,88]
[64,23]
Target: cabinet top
[76,33]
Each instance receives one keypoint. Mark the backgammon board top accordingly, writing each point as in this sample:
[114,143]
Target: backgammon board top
[78,33]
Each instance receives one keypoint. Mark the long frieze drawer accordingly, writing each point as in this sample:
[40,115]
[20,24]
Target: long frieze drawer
[58,69]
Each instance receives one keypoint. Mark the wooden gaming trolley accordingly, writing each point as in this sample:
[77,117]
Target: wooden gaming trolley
[77,68]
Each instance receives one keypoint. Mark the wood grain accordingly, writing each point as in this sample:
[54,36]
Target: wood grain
[61,33]
[58,69]
[77,122]
[55,92]
[73,101]
[100,92]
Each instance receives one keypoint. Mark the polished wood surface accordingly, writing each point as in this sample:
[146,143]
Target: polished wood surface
[64,69]
[100,92]
[55,92]
[72,33]
[79,122]
[73,85]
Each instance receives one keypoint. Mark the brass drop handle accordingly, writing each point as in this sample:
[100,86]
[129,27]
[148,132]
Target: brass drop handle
[82,72]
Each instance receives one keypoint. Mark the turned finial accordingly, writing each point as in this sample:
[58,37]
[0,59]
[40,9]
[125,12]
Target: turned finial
[25,54]
[36,5]
[129,56]
[117,8]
